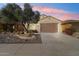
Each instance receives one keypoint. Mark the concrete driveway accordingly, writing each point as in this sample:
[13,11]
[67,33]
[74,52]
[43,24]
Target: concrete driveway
[53,44]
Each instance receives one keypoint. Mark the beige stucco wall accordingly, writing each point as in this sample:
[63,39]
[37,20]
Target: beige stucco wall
[59,27]
[34,26]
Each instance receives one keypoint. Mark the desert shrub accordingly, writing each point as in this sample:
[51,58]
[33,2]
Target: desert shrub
[69,31]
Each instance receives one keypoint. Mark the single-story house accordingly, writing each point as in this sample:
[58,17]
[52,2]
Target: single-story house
[47,24]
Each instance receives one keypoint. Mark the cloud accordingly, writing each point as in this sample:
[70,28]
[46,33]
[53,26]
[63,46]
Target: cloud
[69,16]
[48,10]
[60,14]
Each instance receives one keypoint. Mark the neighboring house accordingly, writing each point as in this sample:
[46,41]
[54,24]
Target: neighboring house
[47,24]
[71,23]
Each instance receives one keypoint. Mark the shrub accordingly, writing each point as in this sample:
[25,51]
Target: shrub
[69,31]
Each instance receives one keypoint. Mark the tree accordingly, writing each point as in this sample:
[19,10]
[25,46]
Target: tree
[36,17]
[13,13]
[29,15]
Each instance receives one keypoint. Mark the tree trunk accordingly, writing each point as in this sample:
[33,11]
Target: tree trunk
[4,27]
[24,27]
[28,24]
[9,27]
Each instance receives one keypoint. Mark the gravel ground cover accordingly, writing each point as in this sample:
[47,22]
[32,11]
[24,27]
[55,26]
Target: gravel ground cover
[13,38]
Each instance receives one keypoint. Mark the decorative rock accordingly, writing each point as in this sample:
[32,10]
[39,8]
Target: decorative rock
[14,38]
[76,34]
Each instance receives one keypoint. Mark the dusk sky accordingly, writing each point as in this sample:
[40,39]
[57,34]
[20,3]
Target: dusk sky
[70,7]
[62,11]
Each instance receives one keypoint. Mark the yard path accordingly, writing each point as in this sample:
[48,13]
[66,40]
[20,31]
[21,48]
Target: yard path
[53,44]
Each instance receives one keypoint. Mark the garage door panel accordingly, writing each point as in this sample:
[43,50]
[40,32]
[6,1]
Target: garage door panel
[49,27]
